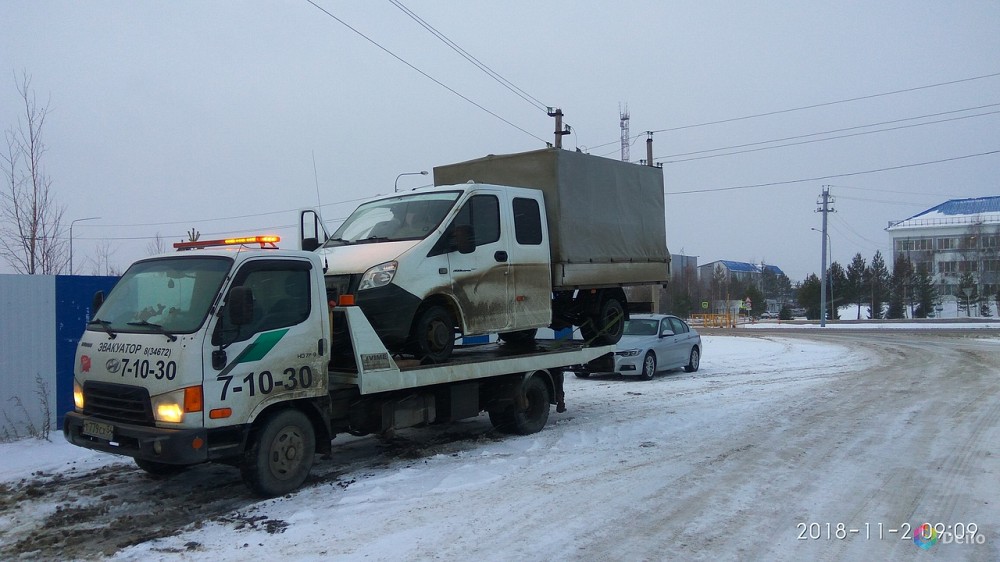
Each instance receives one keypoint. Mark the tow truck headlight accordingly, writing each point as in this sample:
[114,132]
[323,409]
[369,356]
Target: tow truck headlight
[171,406]
[77,395]
[378,276]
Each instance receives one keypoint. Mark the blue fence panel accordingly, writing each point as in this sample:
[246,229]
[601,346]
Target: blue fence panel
[74,294]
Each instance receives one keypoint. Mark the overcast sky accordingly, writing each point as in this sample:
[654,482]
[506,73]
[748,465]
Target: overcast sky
[167,116]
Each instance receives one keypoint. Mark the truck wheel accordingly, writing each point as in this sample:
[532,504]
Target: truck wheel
[695,360]
[649,366]
[605,327]
[532,419]
[434,335]
[159,469]
[280,454]
[520,337]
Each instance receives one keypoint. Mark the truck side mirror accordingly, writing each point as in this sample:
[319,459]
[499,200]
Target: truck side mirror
[312,231]
[463,238]
[96,302]
[240,305]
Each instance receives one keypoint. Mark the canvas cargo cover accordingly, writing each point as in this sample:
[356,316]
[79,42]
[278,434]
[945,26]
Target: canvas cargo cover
[605,217]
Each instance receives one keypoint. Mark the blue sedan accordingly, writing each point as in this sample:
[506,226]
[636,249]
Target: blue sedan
[657,342]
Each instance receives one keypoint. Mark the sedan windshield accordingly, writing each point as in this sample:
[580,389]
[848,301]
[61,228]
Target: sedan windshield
[165,295]
[406,217]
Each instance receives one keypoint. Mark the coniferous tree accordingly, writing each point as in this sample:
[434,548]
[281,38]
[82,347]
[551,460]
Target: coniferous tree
[925,292]
[837,285]
[902,271]
[808,296]
[877,285]
[855,289]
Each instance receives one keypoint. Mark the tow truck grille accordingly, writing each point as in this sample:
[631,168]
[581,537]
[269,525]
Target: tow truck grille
[118,402]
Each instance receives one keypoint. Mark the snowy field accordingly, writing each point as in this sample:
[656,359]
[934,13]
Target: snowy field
[773,440]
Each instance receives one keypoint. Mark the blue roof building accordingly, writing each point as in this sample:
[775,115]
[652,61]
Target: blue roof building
[949,240]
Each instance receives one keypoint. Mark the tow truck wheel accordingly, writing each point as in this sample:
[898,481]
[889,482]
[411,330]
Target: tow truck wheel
[159,469]
[532,419]
[280,455]
[434,335]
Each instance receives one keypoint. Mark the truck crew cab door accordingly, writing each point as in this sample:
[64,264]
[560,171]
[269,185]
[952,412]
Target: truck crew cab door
[278,352]
[480,279]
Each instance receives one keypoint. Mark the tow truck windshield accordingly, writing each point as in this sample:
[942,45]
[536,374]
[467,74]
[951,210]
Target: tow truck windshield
[164,295]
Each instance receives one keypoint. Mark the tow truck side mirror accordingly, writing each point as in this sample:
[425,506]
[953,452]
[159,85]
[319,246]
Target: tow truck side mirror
[96,302]
[240,305]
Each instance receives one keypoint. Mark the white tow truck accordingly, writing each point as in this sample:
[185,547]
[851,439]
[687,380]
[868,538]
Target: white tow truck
[230,351]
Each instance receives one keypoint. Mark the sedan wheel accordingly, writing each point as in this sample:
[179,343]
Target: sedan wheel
[649,366]
[695,360]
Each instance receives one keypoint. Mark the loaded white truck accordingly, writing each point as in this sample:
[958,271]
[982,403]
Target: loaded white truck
[235,351]
[502,245]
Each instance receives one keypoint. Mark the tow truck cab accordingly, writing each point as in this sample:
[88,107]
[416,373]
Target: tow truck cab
[190,348]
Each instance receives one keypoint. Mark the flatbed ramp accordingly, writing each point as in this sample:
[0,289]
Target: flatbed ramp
[375,370]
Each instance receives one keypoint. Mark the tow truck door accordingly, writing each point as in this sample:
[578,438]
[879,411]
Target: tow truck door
[276,356]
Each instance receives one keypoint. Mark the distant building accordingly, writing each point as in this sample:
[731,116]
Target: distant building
[683,267]
[956,237]
[741,270]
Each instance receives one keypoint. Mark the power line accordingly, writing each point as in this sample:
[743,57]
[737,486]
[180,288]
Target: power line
[818,178]
[812,106]
[467,56]
[421,72]
[829,103]
[832,131]
[830,138]
[886,190]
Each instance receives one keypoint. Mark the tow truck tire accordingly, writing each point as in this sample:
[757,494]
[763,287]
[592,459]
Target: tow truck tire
[159,469]
[280,454]
[433,337]
[533,418]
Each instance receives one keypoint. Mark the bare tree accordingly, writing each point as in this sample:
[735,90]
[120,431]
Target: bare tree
[31,232]
[102,263]
[156,245]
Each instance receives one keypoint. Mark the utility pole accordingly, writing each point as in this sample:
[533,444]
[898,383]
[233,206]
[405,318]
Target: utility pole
[560,129]
[824,203]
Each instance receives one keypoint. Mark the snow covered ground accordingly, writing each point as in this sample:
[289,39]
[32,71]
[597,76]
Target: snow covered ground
[775,448]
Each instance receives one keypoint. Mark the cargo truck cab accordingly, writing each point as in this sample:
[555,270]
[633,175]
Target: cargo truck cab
[428,265]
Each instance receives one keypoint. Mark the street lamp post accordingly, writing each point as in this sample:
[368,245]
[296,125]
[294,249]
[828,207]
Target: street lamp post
[395,186]
[71,223]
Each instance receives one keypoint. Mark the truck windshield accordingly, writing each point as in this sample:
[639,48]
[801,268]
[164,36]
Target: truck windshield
[406,217]
[164,295]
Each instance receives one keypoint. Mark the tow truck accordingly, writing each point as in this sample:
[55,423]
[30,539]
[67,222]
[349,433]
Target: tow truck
[232,351]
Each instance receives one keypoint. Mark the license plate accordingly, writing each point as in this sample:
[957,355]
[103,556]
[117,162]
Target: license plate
[99,430]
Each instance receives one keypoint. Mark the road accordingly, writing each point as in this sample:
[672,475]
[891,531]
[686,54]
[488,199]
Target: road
[799,454]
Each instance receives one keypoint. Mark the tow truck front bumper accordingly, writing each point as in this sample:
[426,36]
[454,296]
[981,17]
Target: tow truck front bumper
[169,446]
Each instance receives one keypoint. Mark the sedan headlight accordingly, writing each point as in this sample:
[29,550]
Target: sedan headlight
[378,276]
[628,353]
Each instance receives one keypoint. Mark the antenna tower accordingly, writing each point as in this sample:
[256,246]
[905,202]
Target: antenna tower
[623,114]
